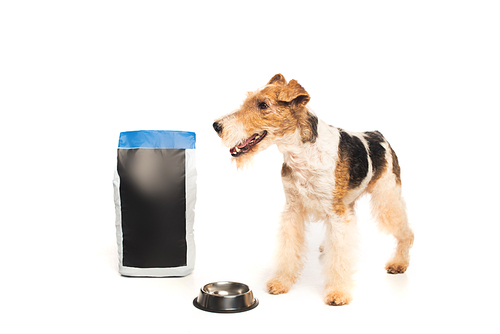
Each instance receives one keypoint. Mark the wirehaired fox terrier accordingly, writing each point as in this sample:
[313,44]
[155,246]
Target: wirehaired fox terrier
[325,170]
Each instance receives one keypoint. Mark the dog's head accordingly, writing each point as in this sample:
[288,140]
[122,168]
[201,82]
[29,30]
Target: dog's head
[271,113]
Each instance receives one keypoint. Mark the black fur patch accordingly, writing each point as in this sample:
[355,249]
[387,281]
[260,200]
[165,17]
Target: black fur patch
[351,148]
[285,170]
[395,166]
[310,132]
[377,152]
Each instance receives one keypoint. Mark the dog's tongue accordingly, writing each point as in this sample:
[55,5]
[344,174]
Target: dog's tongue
[243,148]
[247,141]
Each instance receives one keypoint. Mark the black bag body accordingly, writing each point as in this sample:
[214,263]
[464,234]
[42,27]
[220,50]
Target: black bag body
[155,197]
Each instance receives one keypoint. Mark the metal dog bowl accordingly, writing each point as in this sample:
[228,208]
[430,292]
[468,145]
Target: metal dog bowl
[225,297]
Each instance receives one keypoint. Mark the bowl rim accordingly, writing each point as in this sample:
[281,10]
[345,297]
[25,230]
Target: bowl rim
[226,296]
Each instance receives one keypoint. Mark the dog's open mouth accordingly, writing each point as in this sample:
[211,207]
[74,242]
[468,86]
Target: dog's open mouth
[248,144]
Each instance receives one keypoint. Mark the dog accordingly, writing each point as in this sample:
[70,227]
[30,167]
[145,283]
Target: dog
[325,170]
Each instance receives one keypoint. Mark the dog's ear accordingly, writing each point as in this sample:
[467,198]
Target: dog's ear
[278,79]
[294,92]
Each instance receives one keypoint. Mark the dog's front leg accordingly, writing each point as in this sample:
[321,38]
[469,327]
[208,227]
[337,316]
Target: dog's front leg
[340,252]
[290,250]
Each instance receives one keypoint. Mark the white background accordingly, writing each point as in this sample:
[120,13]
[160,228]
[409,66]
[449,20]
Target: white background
[73,74]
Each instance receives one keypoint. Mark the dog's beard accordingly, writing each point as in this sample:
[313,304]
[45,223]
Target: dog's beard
[242,154]
[243,161]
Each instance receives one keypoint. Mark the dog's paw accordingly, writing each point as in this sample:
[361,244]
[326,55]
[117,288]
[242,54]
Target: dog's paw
[396,268]
[338,298]
[276,287]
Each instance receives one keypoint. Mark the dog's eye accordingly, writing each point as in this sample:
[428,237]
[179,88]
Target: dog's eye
[263,105]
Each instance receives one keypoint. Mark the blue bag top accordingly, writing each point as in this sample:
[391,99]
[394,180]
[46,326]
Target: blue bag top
[157,139]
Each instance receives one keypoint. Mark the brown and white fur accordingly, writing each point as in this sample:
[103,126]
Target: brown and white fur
[325,170]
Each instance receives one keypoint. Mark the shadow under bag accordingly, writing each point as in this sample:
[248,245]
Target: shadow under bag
[155,196]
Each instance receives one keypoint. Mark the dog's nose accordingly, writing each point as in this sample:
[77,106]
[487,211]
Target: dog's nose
[217,127]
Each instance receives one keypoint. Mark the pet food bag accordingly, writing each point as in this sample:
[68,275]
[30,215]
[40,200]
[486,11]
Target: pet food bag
[155,196]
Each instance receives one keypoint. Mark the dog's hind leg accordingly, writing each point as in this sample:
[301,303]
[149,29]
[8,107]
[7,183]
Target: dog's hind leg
[389,209]
[290,249]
